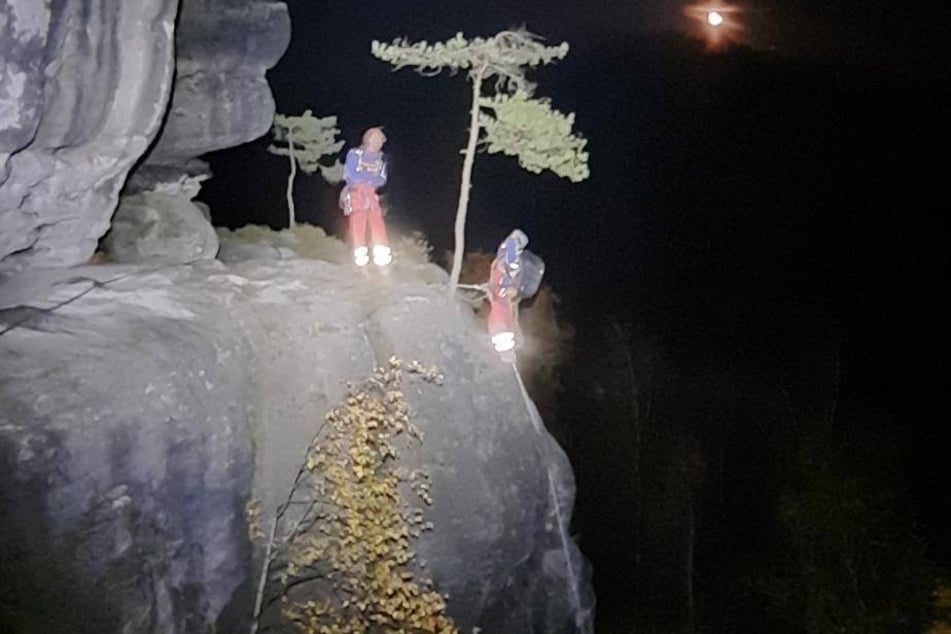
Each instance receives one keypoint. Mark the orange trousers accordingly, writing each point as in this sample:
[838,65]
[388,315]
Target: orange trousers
[365,210]
[503,311]
[502,317]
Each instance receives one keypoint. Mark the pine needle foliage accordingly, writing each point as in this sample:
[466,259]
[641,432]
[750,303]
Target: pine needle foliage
[307,141]
[505,118]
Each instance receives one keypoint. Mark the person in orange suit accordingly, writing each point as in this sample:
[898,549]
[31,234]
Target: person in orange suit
[365,173]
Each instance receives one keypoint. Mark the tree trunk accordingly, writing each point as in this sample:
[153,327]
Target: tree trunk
[290,181]
[460,232]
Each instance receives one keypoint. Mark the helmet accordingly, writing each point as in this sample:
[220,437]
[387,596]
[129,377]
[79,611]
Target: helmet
[519,237]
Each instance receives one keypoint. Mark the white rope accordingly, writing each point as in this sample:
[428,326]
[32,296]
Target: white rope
[583,624]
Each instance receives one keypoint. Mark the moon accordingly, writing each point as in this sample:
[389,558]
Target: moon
[717,23]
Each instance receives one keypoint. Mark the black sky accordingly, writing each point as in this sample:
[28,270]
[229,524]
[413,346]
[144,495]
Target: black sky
[873,33]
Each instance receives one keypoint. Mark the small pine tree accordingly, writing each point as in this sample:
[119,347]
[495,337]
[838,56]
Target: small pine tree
[510,120]
[306,140]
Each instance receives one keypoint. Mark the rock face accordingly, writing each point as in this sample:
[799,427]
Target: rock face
[221,97]
[125,468]
[130,419]
[503,488]
[154,226]
[84,90]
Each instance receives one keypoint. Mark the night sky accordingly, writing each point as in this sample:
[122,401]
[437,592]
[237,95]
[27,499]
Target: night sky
[741,204]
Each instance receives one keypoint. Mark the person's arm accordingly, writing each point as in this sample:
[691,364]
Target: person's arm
[376,176]
[511,252]
[504,279]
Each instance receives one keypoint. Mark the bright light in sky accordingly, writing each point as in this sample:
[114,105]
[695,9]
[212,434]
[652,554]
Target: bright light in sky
[716,22]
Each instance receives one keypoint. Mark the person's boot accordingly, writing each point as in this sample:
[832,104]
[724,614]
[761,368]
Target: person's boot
[382,255]
[503,341]
[361,256]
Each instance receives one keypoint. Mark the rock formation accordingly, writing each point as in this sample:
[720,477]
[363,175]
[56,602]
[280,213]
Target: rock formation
[143,407]
[85,91]
[134,417]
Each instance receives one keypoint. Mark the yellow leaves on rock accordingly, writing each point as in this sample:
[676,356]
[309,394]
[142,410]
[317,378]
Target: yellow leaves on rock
[359,543]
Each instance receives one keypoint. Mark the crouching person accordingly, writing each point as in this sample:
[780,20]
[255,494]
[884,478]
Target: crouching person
[515,275]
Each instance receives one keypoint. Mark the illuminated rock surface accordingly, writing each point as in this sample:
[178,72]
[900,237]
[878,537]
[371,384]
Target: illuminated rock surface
[85,89]
[137,421]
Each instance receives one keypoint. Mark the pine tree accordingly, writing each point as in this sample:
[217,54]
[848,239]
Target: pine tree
[505,118]
[307,141]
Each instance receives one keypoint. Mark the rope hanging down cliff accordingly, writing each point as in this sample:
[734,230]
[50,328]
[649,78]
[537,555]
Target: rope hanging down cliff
[583,620]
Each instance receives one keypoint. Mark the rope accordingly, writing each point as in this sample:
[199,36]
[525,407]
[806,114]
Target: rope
[582,623]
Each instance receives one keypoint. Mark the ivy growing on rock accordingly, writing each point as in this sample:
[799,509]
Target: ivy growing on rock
[339,557]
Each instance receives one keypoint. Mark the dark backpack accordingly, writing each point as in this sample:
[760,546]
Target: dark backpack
[530,274]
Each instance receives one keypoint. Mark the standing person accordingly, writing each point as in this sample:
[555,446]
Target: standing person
[515,275]
[365,173]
